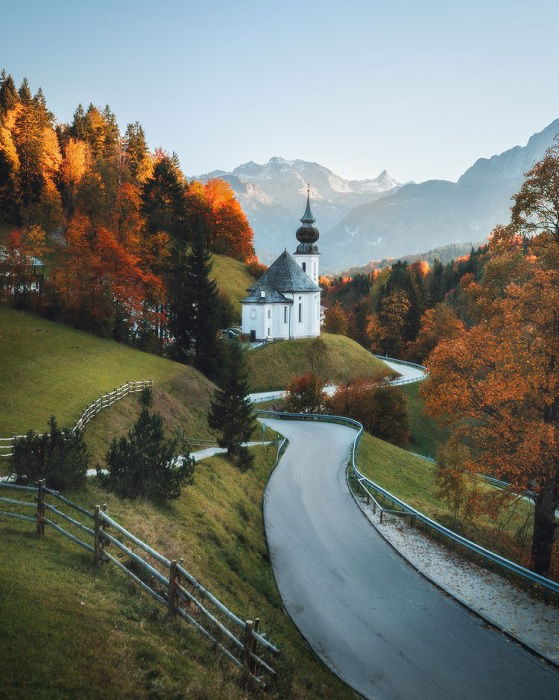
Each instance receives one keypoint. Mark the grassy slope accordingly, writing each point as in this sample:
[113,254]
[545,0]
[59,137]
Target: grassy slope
[272,366]
[116,642]
[232,278]
[413,480]
[46,367]
[426,433]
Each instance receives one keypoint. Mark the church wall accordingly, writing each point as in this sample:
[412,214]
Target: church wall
[309,263]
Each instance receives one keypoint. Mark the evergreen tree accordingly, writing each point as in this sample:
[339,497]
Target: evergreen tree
[164,199]
[180,307]
[8,93]
[143,465]
[231,411]
[205,309]
[25,92]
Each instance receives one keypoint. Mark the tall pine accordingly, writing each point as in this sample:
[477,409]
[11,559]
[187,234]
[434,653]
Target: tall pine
[231,412]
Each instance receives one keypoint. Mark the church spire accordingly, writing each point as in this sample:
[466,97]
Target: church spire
[307,218]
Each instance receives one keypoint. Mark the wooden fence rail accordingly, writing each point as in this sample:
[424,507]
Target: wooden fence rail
[165,580]
[104,401]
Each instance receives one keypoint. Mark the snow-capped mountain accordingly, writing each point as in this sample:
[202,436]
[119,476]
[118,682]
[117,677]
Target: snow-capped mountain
[435,212]
[273,197]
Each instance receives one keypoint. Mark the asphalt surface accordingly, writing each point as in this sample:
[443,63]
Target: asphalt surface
[374,620]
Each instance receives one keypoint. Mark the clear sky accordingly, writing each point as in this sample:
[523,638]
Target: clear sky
[421,87]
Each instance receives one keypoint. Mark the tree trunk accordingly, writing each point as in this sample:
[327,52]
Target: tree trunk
[544,528]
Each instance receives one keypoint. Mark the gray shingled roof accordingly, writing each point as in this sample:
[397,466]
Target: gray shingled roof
[271,296]
[285,275]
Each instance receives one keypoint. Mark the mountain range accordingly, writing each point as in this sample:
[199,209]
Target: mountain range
[361,220]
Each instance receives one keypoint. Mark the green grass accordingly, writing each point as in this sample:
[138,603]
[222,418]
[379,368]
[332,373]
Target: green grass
[273,366]
[426,433]
[80,632]
[412,479]
[50,368]
[232,278]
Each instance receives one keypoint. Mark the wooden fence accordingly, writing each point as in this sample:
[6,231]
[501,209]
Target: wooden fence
[104,401]
[165,580]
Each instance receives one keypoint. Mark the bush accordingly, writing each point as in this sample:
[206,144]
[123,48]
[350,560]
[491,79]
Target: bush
[144,463]
[305,394]
[146,396]
[59,456]
[379,406]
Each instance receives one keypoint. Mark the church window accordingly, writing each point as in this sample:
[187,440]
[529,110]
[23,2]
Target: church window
[300,311]
[253,313]
[269,313]
[285,314]
[304,267]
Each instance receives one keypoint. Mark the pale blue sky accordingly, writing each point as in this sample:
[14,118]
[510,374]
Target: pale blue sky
[421,88]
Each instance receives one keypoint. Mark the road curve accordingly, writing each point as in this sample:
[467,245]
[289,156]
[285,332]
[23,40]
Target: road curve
[376,622]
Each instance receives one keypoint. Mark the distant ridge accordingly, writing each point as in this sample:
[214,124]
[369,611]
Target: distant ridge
[363,220]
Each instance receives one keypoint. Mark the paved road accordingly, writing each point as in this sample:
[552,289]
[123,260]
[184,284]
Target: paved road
[371,617]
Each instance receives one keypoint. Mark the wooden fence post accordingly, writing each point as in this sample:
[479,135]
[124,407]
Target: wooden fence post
[99,542]
[247,648]
[40,508]
[172,601]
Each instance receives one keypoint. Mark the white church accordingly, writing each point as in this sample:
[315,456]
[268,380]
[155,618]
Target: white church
[285,302]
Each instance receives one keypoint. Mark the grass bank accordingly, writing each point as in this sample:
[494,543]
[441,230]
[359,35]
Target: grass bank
[50,368]
[94,635]
[272,366]
[412,479]
[232,278]
[426,433]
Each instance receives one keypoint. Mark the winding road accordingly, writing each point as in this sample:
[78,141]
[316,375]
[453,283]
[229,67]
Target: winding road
[374,620]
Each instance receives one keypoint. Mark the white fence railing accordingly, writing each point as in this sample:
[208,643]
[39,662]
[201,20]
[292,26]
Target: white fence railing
[104,401]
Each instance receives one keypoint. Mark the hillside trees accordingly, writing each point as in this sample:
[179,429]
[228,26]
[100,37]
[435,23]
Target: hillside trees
[497,383]
[110,212]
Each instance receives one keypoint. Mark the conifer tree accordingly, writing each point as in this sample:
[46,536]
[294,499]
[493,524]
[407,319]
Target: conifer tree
[206,309]
[180,318]
[8,93]
[231,412]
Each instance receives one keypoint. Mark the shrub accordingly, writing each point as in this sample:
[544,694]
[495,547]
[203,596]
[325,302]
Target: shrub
[144,463]
[305,394]
[146,396]
[379,406]
[59,456]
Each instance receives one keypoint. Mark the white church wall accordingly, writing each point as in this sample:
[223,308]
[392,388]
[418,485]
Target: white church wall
[309,264]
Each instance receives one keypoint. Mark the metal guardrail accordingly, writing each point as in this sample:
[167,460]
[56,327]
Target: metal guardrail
[165,580]
[104,401]
[495,558]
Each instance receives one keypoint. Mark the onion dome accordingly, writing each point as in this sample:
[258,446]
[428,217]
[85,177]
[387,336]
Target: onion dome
[307,234]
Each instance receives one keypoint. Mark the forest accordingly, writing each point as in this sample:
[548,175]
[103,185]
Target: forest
[103,234]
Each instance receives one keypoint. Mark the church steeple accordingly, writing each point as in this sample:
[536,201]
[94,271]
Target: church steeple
[307,217]
[307,234]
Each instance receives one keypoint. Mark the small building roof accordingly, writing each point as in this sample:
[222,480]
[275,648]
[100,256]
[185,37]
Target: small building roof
[285,275]
[270,296]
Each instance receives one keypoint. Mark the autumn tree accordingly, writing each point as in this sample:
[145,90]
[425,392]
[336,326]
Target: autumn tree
[439,323]
[305,394]
[497,384]
[229,232]
[379,406]
[386,330]
[335,320]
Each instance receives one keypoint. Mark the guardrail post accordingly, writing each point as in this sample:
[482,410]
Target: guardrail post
[172,589]
[40,508]
[248,648]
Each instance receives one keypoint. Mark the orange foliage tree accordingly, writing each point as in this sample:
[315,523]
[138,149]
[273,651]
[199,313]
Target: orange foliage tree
[305,394]
[229,230]
[497,384]
[379,406]
[336,320]
[438,323]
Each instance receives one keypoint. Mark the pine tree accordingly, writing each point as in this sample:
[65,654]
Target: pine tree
[180,307]
[206,309]
[231,411]
[25,92]
[8,93]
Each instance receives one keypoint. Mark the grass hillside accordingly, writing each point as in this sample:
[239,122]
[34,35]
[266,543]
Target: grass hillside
[50,368]
[412,479]
[426,433]
[96,635]
[232,278]
[272,366]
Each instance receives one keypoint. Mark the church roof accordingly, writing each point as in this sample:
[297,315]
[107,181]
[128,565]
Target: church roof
[307,217]
[285,275]
[270,296]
